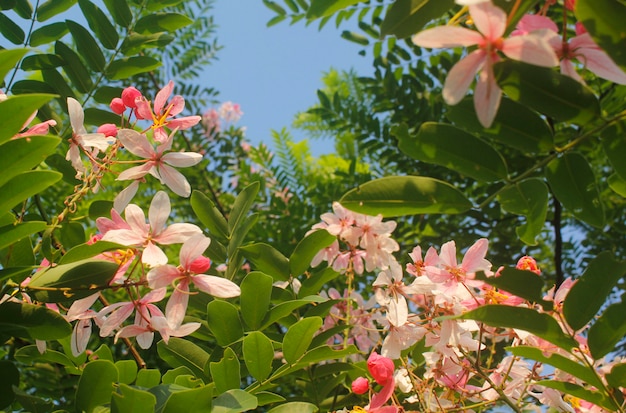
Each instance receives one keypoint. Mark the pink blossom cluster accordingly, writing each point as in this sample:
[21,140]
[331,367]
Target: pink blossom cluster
[214,120]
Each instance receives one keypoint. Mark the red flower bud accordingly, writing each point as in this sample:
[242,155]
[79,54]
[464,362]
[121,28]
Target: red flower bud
[200,265]
[381,368]
[129,95]
[361,385]
[117,106]
[108,129]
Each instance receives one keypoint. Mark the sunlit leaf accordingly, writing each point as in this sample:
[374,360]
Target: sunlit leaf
[256,292]
[48,34]
[15,111]
[84,251]
[226,373]
[127,370]
[25,185]
[209,215]
[547,91]
[51,8]
[120,12]
[300,259]
[294,407]
[234,401]
[299,337]
[282,310]
[162,22]
[30,354]
[258,354]
[198,400]
[180,352]
[224,322]
[267,259]
[13,233]
[604,20]
[132,399]
[407,17]
[323,8]
[129,66]
[96,385]
[617,184]
[406,195]
[148,378]
[32,321]
[135,42]
[9,58]
[528,198]
[574,184]
[242,205]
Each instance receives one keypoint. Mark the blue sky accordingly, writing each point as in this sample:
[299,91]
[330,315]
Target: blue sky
[274,72]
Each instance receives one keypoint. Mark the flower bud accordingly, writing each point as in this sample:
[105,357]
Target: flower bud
[527,263]
[117,106]
[360,386]
[381,368]
[108,129]
[129,95]
[200,265]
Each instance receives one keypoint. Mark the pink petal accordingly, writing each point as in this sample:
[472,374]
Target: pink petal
[461,76]
[177,233]
[487,96]
[397,311]
[116,319]
[447,36]
[568,69]
[80,306]
[136,172]
[136,143]
[184,330]
[124,237]
[184,123]
[154,296]
[530,49]
[162,96]
[532,22]
[177,105]
[159,135]
[596,60]
[175,181]
[177,304]
[136,219]
[193,248]
[153,255]
[380,398]
[80,337]
[216,286]
[159,212]
[490,20]
[144,110]
[162,276]
[474,259]
[182,159]
[122,199]
[97,140]
[77,116]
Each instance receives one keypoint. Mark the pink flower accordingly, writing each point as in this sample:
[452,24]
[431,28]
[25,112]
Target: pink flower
[361,385]
[382,369]
[527,263]
[490,22]
[130,96]
[449,273]
[144,235]
[163,111]
[159,164]
[180,277]
[156,323]
[117,106]
[81,310]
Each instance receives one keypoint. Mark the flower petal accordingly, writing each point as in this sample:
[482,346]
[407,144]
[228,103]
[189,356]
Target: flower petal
[136,143]
[177,304]
[153,255]
[447,36]
[487,96]
[530,49]
[193,248]
[489,19]
[162,96]
[177,233]
[175,181]
[461,76]
[77,116]
[159,212]
[182,159]
[162,276]
[216,286]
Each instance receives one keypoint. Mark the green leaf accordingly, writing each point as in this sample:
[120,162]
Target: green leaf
[307,248]
[162,22]
[180,352]
[540,324]
[316,281]
[32,321]
[96,385]
[132,399]
[100,24]
[515,125]
[258,354]
[148,378]
[10,377]
[323,8]
[58,84]
[282,310]
[614,145]
[267,259]
[119,10]
[592,289]
[607,330]
[528,198]
[198,400]
[136,43]
[84,251]
[127,370]
[9,58]
[48,34]
[580,392]
[406,195]
[52,8]
[604,20]
[407,17]
[617,376]
[41,61]
[448,146]
[23,8]
[239,233]
[618,185]
[224,322]
[546,91]
[11,31]
[97,116]
[71,234]
[25,185]
[172,375]
[256,292]
[242,205]
[572,180]
[15,111]
[69,282]
[12,233]
[294,407]
[30,354]
[226,373]
[265,398]
[325,353]
[299,337]
[355,37]
[578,370]
[209,215]
[87,46]
[523,284]
[155,5]
[234,401]
[275,7]
[74,68]
[126,67]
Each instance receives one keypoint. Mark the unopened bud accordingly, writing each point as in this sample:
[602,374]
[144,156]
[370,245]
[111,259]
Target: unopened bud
[360,386]
[129,96]
[117,106]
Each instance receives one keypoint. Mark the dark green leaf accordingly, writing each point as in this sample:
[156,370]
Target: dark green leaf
[323,8]
[540,324]
[100,24]
[407,17]
[180,352]
[355,37]
[617,376]
[16,273]
[242,205]
[32,321]
[10,377]
[580,392]
[523,284]
[515,125]
[74,67]
[24,9]
[258,354]
[209,215]
[224,322]
[226,373]
[198,400]
[132,399]
[275,7]
[604,20]
[60,86]
[120,12]
[129,66]
[12,233]
[52,8]
[71,234]
[256,292]
[10,30]
[136,43]
[48,34]
[25,185]
[547,91]
[96,385]
[30,354]
[27,86]
[448,146]
[307,248]
[607,330]
[162,22]
[614,144]
[104,94]
[58,162]
[528,198]
[69,282]
[316,282]
[97,116]
[155,5]
[299,337]
[41,61]
[282,310]
[84,251]
[572,180]
[267,259]
[87,46]
[9,60]
[15,111]
[234,401]
[406,195]
[238,234]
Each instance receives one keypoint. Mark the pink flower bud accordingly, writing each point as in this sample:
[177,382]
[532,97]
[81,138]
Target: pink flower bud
[381,368]
[108,129]
[129,95]
[117,106]
[580,29]
[200,265]
[360,386]
[569,4]
[527,263]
